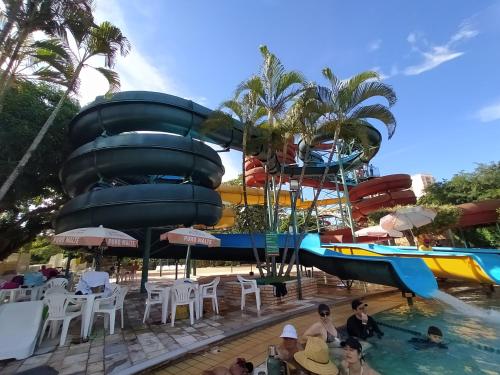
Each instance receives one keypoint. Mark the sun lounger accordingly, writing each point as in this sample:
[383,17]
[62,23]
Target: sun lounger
[19,328]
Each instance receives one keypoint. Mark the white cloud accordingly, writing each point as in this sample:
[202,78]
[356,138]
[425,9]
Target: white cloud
[489,113]
[136,72]
[433,56]
[375,45]
[432,59]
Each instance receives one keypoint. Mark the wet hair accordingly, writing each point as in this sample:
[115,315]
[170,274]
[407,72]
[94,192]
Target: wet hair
[322,307]
[433,330]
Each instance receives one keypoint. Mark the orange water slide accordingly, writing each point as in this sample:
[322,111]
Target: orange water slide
[478,213]
[381,192]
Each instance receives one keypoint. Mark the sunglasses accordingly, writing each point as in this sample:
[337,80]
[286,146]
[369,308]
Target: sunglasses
[324,313]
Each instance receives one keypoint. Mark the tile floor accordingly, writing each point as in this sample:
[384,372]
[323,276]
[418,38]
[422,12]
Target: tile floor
[139,346]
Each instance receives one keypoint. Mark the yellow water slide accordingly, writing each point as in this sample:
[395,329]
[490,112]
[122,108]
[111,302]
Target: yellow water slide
[231,194]
[478,268]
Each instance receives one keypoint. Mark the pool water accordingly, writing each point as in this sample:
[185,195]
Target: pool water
[465,336]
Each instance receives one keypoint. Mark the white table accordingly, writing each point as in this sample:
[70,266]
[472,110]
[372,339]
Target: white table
[87,310]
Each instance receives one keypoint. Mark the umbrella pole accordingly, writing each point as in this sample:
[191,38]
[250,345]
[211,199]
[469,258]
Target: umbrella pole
[187,267]
[145,259]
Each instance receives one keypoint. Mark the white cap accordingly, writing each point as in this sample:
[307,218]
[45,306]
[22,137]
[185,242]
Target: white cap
[289,332]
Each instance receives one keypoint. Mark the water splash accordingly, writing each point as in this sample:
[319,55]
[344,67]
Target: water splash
[466,309]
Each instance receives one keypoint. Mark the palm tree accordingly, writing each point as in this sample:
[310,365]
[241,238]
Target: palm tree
[246,109]
[274,88]
[64,67]
[344,109]
[53,17]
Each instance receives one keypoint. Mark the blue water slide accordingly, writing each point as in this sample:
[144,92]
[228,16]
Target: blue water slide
[407,274]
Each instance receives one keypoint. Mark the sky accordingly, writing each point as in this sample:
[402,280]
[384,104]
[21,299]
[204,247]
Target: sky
[442,59]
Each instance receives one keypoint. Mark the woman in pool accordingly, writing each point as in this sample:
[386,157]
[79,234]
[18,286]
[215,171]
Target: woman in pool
[324,328]
[354,363]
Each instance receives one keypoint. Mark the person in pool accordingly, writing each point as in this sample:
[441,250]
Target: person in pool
[289,344]
[353,362]
[323,328]
[433,340]
[361,325]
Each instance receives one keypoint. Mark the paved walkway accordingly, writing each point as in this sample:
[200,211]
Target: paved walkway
[253,345]
[139,346]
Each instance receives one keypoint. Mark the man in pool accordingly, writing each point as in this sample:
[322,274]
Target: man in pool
[361,325]
[433,340]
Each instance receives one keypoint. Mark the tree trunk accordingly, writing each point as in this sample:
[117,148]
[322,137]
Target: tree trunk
[245,199]
[38,139]
[316,196]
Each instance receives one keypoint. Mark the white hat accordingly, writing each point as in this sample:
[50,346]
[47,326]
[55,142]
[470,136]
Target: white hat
[289,332]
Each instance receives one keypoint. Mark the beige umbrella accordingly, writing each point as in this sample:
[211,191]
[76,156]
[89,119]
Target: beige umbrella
[190,236]
[378,231]
[94,236]
[407,218]
[98,237]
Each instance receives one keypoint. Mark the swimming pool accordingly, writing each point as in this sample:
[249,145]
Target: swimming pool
[393,355]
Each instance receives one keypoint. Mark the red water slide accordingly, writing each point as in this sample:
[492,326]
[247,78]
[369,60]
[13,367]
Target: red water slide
[255,175]
[381,192]
[478,213]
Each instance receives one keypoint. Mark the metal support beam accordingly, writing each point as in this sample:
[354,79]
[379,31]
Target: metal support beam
[295,244]
[145,259]
[347,201]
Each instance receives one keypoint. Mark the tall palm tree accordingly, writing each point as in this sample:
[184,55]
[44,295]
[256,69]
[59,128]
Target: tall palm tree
[274,88]
[344,109]
[64,67]
[53,17]
[246,109]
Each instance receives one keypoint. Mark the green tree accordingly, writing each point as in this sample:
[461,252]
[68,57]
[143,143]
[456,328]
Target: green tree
[65,66]
[24,18]
[481,184]
[343,108]
[29,206]
[273,88]
[464,187]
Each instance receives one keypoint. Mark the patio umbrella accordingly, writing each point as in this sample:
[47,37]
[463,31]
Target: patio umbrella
[378,231]
[190,236]
[98,237]
[94,236]
[407,218]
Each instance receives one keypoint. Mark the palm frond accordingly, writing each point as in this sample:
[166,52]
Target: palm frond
[112,78]
[369,90]
[378,112]
[108,40]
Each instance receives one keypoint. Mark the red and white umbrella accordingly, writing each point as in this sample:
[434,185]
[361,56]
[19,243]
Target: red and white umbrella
[378,231]
[407,218]
[190,236]
[94,236]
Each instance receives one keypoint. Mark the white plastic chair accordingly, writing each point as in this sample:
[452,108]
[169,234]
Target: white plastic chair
[249,287]
[183,294]
[155,297]
[58,310]
[110,305]
[56,289]
[209,291]
[58,281]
